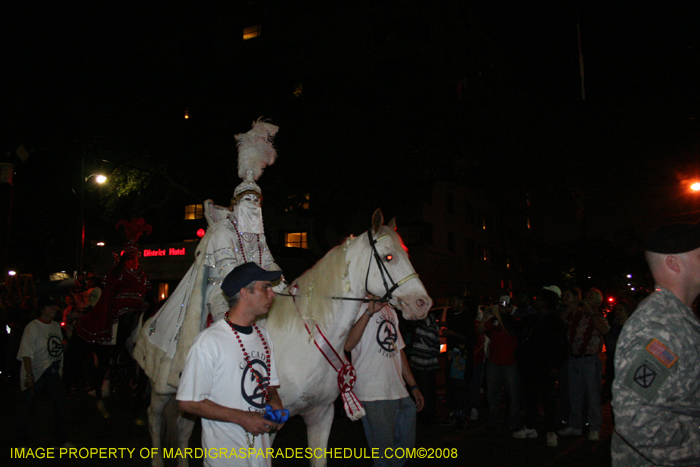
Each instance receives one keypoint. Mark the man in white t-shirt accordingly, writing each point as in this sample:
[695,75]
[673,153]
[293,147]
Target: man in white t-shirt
[41,354]
[382,375]
[230,374]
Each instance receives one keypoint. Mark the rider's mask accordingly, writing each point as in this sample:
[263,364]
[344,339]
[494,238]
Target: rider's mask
[249,214]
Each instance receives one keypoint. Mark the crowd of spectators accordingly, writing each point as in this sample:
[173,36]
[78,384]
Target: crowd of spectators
[532,365]
[529,365]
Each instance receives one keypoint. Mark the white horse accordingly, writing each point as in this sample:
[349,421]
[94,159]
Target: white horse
[325,304]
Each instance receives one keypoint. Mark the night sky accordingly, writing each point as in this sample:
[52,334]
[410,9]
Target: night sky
[113,82]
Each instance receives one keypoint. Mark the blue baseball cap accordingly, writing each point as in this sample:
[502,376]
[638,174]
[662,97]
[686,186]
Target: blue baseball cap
[243,275]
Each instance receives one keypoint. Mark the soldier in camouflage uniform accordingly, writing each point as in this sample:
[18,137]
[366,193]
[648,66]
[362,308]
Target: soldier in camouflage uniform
[656,392]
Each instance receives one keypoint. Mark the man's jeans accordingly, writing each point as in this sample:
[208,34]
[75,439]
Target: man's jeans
[498,376]
[475,386]
[585,377]
[50,381]
[390,424]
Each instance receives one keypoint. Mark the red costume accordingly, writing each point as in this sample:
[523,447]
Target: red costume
[124,290]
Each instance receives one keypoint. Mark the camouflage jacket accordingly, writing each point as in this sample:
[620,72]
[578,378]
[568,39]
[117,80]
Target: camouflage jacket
[656,392]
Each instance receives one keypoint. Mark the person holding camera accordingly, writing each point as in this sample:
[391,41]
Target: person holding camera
[501,365]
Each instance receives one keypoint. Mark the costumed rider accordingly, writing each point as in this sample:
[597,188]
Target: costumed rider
[656,390]
[235,236]
[230,377]
[112,319]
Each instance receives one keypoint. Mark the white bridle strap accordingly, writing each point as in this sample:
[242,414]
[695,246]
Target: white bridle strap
[382,269]
[407,278]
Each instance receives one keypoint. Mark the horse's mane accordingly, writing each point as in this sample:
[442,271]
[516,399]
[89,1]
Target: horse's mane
[327,278]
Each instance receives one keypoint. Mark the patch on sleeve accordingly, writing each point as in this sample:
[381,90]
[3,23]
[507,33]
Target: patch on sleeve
[661,352]
[645,377]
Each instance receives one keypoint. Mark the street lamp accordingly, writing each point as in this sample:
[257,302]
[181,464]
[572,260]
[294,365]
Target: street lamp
[99,178]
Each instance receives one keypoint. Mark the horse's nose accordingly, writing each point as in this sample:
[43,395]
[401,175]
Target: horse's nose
[423,305]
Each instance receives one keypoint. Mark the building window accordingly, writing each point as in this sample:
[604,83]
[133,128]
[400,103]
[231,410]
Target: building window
[297,202]
[295,240]
[163,291]
[450,241]
[251,32]
[194,211]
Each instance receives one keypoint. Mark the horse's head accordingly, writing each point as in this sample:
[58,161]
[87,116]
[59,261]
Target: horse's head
[390,272]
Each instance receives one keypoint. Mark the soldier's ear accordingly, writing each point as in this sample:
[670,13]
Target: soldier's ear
[674,263]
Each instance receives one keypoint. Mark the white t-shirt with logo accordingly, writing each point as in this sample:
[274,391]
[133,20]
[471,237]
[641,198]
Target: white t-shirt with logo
[377,358]
[43,343]
[216,370]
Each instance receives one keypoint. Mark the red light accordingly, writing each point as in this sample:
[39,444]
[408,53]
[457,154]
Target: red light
[610,299]
[389,257]
[63,324]
[200,233]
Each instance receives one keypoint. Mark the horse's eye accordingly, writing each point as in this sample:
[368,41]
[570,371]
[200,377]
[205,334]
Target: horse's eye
[389,257]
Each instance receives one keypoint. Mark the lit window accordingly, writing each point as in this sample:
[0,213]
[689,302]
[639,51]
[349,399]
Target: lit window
[194,211]
[298,89]
[296,240]
[251,32]
[163,291]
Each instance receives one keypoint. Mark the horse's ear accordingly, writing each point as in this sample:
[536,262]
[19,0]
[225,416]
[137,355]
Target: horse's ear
[392,223]
[377,220]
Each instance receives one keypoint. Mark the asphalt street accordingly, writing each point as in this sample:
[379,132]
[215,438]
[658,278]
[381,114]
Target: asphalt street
[476,445]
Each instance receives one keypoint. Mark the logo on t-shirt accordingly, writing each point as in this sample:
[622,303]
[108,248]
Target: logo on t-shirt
[387,335]
[253,375]
[54,346]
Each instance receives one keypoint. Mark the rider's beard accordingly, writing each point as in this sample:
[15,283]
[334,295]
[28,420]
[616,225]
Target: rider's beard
[249,219]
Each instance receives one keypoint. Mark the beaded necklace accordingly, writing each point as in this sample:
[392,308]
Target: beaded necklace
[240,242]
[249,365]
[258,377]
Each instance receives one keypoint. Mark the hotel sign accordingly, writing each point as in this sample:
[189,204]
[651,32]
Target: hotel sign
[164,252]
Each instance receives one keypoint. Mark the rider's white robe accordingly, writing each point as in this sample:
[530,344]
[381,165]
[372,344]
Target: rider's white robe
[166,338]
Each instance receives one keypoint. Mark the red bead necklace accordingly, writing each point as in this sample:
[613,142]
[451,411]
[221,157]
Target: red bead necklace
[240,242]
[258,377]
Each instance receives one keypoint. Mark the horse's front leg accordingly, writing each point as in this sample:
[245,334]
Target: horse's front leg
[185,425]
[155,418]
[318,428]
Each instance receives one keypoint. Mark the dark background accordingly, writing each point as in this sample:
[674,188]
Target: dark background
[390,96]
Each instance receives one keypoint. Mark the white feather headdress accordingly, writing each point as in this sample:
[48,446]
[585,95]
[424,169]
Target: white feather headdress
[255,150]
